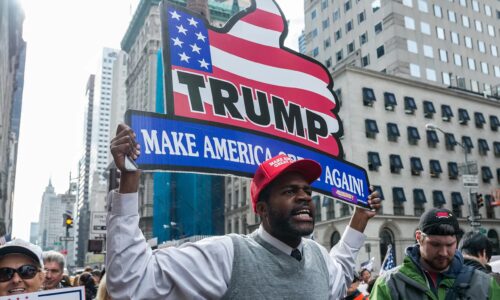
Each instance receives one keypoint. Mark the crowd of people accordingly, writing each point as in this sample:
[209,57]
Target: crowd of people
[278,260]
[25,268]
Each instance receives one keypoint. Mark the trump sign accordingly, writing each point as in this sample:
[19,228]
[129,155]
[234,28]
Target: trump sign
[236,96]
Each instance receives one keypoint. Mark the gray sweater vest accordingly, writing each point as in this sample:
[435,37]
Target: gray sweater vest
[260,271]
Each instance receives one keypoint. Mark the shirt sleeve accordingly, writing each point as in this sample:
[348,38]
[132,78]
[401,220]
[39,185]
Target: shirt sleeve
[341,261]
[134,271]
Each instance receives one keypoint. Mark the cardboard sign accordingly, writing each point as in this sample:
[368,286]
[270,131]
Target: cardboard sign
[236,96]
[73,293]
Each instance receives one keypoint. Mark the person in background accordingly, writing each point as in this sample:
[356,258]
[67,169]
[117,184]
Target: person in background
[102,291]
[53,262]
[66,281]
[96,275]
[88,282]
[353,292]
[476,249]
[365,276]
[276,261]
[433,268]
[21,268]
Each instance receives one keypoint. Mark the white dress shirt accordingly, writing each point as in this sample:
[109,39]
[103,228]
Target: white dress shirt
[200,270]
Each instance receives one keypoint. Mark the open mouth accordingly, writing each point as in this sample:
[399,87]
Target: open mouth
[17,291]
[303,214]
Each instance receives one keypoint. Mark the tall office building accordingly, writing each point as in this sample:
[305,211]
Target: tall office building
[51,230]
[82,207]
[12,61]
[448,43]
[397,66]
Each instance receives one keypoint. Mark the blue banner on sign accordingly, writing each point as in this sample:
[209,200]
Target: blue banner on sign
[178,145]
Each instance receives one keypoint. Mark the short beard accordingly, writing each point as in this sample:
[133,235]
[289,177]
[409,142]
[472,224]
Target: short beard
[281,224]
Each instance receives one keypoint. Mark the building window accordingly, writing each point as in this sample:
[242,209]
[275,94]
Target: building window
[347,5]
[463,116]
[395,163]
[412,46]
[479,119]
[413,135]
[496,149]
[398,196]
[350,47]
[313,15]
[410,105]
[416,166]
[316,200]
[365,60]
[392,132]
[345,209]
[457,202]
[432,138]
[437,11]
[363,38]
[438,199]
[378,28]
[429,109]
[482,146]
[494,123]
[378,189]
[440,33]
[315,52]
[338,35]
[371,128]
[415,70]
[380,51]
[425,28]
[368,96]
[389,101]
[375,5]
[435,168]
[336,15]
[486,174]
[349,26]
[361,17]
[450,141]
[330,207]
[467,143]
[457,59]
[409,23]
[326,24]
[451,16]
[428,51]
[339,55]
[446,113]
[373,161]
[419,201]
[452,170]
[328,62]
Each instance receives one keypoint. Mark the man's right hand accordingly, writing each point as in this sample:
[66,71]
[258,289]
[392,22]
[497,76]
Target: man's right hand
[122,145]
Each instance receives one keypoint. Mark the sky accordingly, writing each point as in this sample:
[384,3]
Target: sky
[65,39]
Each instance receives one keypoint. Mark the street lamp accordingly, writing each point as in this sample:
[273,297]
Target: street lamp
[472,217]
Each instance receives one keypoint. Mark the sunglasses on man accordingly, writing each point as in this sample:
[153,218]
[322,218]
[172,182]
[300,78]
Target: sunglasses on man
[25,272]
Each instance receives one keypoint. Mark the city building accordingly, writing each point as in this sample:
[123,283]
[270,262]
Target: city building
[82,206]
[398,66]
[12,62]
[51,226]
[447,43]
[34,236]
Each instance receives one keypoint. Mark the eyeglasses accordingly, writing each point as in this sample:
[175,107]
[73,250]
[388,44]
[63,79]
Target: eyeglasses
[25,272]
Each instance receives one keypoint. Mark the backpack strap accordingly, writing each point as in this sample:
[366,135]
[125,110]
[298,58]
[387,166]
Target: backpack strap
[461,284]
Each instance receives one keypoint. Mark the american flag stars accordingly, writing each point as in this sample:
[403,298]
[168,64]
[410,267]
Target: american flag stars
[189,41]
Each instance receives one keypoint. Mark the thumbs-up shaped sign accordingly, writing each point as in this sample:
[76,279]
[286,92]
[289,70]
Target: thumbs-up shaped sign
[243,76]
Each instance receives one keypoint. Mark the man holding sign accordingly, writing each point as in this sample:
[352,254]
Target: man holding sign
[275,261]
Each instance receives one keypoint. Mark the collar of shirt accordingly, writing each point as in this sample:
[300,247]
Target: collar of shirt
[266,236]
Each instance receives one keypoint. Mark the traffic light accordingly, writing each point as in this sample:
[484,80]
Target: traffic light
[479,200]
[68,221]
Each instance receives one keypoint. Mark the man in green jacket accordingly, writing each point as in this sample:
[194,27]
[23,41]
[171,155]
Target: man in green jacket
[433,268]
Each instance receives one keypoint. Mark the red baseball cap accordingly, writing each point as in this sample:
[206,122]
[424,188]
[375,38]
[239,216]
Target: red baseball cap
[278,165]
